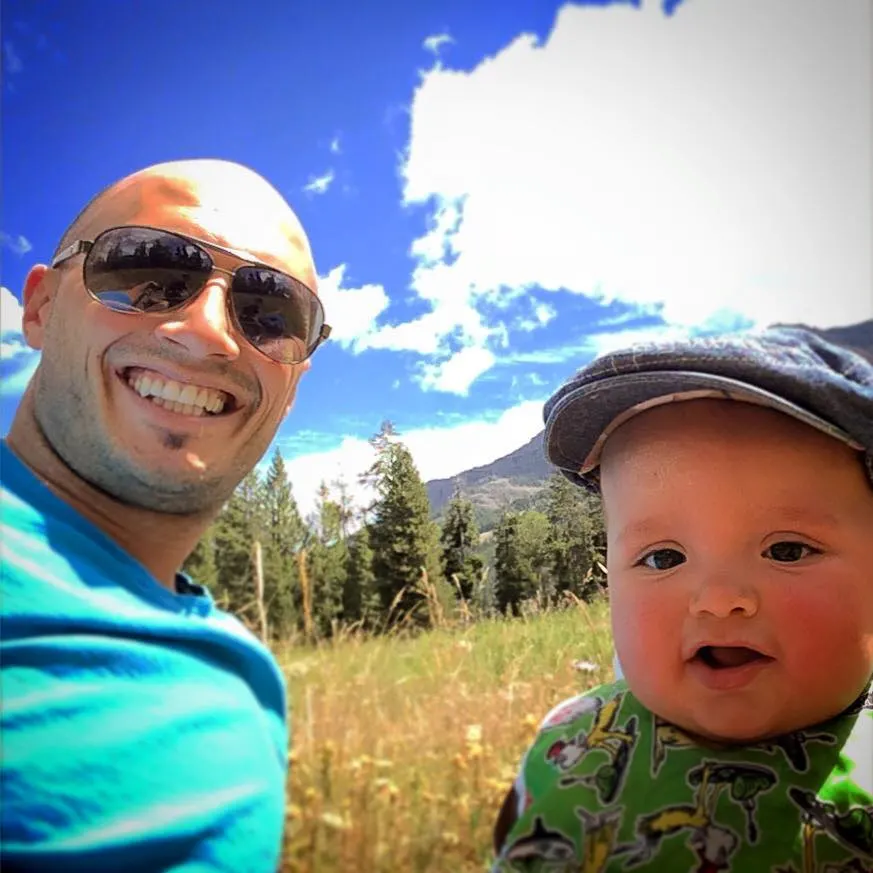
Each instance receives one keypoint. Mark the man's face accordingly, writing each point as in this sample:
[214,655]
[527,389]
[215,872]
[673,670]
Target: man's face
[740,530]
[147,454]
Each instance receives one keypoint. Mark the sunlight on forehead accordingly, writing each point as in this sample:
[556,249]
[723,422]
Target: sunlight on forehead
[228,205]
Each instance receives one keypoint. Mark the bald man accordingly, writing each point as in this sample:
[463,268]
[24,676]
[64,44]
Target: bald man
[142,728]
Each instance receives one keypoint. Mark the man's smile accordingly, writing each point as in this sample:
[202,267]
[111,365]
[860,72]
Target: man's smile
[181,398]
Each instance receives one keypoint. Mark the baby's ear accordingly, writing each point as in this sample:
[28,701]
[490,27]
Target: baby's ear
[38,296]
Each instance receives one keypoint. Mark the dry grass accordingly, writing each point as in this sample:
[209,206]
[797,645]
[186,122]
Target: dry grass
[404,748]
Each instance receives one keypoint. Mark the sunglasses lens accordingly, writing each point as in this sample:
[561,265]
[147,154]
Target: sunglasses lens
[277,314]
[135,269]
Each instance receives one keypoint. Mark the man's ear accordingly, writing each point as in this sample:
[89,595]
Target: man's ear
[39,292]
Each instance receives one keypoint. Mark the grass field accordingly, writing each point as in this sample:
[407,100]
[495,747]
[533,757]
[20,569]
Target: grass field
[404,748]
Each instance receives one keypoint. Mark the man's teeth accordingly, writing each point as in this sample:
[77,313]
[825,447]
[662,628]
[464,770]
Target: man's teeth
[177,397]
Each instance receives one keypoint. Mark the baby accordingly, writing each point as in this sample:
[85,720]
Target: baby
[737,482]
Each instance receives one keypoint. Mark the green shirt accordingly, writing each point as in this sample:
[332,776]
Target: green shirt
[607,786]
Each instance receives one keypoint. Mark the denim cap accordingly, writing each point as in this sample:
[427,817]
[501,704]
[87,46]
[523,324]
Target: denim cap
[792,370]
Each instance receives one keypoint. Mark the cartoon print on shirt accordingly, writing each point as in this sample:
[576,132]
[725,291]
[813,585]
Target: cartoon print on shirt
[667,736]
[853,830]
[793,746]
[542,844]
[744,782]
[570,710]
[713,844]
[617,743]
[601,831]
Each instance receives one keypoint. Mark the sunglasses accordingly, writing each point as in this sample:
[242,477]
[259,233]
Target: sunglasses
[147,270]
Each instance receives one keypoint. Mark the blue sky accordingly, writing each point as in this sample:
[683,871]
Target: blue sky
[495,192]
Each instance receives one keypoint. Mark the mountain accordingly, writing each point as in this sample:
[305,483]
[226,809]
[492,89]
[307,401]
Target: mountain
[515,480]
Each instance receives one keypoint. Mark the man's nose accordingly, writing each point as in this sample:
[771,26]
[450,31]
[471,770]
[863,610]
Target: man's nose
[203,327]
[720,593]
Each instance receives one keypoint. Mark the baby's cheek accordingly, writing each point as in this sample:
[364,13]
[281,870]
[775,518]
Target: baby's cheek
[647,625]
[825,634]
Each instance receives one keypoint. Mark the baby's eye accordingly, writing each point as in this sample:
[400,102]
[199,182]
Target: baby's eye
[662,559]
[789,551]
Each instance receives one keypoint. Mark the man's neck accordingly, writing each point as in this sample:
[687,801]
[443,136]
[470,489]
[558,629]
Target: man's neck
[159,541]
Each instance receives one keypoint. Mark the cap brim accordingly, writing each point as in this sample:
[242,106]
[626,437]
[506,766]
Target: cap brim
[581,422]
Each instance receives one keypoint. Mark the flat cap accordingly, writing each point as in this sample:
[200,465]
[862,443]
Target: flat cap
[792,370]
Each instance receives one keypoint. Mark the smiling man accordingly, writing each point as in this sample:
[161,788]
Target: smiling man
[142,728]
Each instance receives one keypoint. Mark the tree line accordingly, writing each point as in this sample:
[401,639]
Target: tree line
[389,563]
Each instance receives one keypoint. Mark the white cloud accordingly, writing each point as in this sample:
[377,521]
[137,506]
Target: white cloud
[11,314]
[335,146]
[438,452]
[458,373]
[18,244]
[699,161]
[351,312]
[13,347]
[542,315]
[435,42]
[319,184]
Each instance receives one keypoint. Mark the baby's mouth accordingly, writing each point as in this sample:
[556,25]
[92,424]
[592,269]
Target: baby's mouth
[727,657]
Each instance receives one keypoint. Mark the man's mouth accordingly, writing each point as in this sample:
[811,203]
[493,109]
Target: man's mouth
[185,398]
[727,657]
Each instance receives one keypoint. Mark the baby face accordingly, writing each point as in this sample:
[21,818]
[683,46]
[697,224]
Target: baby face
[740,558]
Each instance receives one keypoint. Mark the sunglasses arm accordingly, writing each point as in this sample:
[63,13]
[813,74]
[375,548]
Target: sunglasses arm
[77,248]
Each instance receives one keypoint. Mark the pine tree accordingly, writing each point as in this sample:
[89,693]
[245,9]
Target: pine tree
[459,538]
[235,530]
[200,564]
[576,537]
[328,559]
[285,534]
[360,597]
[521,559]
[404,539]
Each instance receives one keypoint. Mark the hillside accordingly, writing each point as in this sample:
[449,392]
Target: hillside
[515,480]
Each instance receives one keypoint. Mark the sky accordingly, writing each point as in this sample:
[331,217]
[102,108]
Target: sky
[495,192]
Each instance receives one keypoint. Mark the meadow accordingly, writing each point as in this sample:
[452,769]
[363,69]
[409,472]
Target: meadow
[404,747]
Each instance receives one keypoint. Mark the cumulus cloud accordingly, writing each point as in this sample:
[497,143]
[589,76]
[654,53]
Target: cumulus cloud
[456,374]
[351,312]
[17,243]
[319,184]
[438,452]
[698,162]
[17,358]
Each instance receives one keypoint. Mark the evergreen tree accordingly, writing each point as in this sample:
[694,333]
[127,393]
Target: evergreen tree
[328,559]
[200,564]
[521,559]
[360,596]
[459,539]
[284,536]
[576,537]
[512,582]
[235,530]
[345,506]
[403,538]
[533,532]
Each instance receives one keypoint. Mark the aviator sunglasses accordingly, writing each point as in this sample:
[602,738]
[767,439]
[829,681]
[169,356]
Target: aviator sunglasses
[147,270]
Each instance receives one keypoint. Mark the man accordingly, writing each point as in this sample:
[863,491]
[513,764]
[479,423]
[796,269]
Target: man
[142,728]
